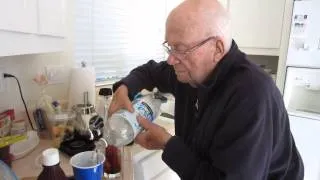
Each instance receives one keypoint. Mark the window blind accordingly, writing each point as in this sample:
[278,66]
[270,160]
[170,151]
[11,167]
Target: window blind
[114,36]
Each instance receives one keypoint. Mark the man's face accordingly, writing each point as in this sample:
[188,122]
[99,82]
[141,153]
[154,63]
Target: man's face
[192,56]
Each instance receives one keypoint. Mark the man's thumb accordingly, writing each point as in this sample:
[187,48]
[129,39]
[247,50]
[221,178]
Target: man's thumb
[128,106]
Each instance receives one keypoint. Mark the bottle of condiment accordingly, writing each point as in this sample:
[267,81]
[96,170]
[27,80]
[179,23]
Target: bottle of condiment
[51,166]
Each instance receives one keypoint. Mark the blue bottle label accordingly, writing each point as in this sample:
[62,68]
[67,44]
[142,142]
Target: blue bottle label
[143,109]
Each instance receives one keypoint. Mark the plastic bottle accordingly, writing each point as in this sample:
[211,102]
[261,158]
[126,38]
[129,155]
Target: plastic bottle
[51,167]
[122,127]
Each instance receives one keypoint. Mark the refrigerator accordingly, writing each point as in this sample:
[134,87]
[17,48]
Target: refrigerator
[302,83]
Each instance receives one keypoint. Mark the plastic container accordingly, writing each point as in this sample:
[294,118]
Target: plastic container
[6,119]
[24,147]
[58,124]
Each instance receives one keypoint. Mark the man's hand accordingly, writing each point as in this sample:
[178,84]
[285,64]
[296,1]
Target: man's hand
[120,100]
[154,136]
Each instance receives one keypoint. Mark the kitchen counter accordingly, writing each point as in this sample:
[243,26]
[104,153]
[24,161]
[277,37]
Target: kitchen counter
[29,166]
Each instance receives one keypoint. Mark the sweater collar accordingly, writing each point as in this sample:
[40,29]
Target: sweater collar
[221,69]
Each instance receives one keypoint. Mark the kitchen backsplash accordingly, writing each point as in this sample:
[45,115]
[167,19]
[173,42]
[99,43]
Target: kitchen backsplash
[25,67]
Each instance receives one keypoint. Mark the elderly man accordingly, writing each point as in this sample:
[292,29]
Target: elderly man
[230,120]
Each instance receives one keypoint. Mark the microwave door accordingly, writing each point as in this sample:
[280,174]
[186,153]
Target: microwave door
[302,92]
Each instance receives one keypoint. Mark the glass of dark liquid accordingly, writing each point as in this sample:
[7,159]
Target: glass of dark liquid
[112,164]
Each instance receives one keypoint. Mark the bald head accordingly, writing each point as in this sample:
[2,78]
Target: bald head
[199,19]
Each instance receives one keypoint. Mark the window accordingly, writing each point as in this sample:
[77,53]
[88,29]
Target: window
[114,36]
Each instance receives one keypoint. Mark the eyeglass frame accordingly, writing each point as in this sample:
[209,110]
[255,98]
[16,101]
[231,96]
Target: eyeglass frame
[188,51]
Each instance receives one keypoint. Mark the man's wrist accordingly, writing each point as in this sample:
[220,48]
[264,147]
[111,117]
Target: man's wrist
[166,139]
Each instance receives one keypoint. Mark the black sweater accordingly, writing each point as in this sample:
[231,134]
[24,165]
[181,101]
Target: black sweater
[232,127]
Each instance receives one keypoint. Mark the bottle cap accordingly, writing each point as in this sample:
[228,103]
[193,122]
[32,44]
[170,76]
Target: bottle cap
[50,157]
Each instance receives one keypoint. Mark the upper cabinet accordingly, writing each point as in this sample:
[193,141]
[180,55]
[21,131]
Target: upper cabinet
[18,15]
[51,17]
[31,26]
[257,25]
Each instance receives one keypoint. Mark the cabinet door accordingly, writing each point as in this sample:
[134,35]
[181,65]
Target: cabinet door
[149,165]
[257,23]
[51,17]
[18,15]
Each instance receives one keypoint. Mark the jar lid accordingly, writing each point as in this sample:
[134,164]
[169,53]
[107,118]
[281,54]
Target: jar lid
[50,157]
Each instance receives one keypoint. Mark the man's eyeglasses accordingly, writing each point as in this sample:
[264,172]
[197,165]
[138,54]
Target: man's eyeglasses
[182,54]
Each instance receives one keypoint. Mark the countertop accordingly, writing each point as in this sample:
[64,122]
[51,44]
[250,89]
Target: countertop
[29,166]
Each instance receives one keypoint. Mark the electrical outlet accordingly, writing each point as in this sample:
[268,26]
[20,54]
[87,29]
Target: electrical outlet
[56,74]
[2,81]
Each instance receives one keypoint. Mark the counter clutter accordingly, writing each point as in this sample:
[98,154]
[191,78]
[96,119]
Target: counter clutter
[29,167]
[78,141]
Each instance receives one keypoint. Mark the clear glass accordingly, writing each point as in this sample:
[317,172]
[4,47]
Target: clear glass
[114,161]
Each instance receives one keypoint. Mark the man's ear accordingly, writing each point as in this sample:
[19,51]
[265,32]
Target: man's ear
[220,51]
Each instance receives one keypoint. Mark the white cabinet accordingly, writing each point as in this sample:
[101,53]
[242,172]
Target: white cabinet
[149,165]
[305,132]
[18,15]
[171,4]
[31,26]
[257,25]
[224,3]
[51,17]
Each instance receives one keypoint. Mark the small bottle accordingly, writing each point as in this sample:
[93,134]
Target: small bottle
[122,127]
[51,166]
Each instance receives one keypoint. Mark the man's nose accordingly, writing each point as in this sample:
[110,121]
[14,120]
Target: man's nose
[172,60]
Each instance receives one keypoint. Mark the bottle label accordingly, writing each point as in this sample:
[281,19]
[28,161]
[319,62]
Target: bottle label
[144,106]
[132,119]
[144,110]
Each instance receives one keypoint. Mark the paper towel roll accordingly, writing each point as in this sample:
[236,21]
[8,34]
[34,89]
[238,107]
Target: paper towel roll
[82,80]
